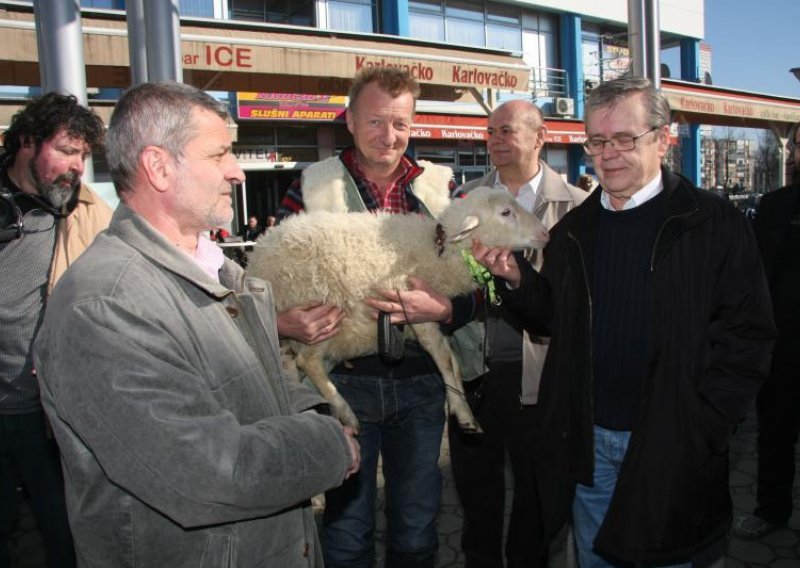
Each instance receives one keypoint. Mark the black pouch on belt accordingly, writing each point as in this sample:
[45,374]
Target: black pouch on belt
[391,340]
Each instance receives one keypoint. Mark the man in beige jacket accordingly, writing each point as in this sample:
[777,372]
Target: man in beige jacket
[504,399]
[48,219]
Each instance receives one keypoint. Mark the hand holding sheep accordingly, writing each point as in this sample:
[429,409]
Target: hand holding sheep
[419,304]
[499,261]
[310,323]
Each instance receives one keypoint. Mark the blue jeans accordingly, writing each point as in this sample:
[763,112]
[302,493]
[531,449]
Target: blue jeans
[402,420]
[591,503]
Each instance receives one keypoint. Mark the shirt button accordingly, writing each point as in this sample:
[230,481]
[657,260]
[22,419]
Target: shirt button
[306,550]
[232,311]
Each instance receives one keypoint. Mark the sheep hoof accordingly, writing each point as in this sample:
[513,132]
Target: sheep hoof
[343,413]
[470,427]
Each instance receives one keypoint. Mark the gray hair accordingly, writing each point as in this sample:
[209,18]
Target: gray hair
[610,93]
[153,114]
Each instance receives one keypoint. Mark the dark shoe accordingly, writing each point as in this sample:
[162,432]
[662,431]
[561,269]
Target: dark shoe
[752,527]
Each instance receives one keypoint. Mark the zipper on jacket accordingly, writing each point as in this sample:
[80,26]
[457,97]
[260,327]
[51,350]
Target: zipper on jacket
[661,230]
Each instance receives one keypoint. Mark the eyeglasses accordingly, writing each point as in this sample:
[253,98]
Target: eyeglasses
[620,142]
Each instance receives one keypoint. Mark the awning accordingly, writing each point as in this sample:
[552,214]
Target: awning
[454,127]
[239,56]
[706,104]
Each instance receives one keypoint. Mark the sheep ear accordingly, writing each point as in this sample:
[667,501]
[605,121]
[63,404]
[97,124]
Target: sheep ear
[470,223]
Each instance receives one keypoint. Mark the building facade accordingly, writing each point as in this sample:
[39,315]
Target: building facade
[283,67]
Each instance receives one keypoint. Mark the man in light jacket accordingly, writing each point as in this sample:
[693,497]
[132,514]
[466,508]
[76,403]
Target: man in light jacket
[504,399]
[183,444]
[47,219]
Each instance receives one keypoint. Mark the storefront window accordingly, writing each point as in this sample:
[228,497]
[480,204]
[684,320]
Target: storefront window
[297,136]
[197,8]
[295,12]
[351,15]
[464,23]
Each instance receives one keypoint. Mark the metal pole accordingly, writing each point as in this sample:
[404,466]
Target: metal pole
[137,41]
[162,21]
[644,40]
[59,37]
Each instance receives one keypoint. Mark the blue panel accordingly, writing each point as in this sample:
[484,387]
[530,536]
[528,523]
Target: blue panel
[690,59]
[395,18]
[572,58]
[690,155]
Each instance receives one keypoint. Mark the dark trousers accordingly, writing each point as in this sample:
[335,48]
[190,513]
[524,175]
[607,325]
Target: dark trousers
[778,409]
[28,456]
[478,462]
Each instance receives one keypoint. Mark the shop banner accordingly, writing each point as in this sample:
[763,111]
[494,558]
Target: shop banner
[288,106]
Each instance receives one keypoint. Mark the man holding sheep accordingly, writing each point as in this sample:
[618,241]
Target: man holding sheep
[504,399]
[183,443]
[400,408]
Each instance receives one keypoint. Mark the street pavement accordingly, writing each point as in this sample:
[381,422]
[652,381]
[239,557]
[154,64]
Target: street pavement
[779,549]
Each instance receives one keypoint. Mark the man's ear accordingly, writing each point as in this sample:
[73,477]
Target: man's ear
[541,135]
[158,167]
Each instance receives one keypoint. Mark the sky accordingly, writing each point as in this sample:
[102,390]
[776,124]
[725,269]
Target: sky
[754,44]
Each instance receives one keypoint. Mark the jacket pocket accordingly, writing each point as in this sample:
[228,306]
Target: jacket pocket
[218,551]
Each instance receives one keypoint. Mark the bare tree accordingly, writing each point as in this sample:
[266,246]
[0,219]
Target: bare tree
[767,162]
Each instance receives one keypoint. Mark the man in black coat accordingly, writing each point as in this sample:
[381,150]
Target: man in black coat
[777,229]
[654,297]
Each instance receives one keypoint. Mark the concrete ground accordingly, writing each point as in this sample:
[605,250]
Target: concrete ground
[780,549]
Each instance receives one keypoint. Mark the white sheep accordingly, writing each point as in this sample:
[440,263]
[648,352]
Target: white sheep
[342,258]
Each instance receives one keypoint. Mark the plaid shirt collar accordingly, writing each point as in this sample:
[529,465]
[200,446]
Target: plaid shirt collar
[396,198]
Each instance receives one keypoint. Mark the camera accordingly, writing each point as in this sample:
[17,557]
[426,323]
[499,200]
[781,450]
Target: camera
[10,219]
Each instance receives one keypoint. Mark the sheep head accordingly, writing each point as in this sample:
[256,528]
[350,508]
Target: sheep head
[494,217]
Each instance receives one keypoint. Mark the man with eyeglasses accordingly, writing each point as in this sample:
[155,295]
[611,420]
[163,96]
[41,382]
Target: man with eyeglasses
[777,229]
[48,218]
[654,297]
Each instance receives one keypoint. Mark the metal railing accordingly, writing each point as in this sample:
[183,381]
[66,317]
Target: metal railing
[549,82]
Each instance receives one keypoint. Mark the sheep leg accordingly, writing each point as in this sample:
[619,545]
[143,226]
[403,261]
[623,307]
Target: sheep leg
[310,361]
[432,340]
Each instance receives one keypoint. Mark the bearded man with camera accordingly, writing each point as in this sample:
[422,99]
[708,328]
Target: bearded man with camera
[47,219]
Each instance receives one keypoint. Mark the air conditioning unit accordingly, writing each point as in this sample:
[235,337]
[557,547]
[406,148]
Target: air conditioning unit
[564,106]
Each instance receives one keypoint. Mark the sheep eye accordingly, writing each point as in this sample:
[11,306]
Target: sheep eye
[506,212]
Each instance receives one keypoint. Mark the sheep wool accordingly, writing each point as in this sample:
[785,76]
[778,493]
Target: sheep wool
[343,258]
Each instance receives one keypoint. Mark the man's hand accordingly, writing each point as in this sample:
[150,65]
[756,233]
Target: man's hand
[419,304]
[499,261]
[311,323]
[355,451]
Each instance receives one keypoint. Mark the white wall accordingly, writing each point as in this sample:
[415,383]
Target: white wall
[682,17]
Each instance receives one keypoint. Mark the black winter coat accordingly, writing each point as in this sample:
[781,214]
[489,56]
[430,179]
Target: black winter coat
[711,332]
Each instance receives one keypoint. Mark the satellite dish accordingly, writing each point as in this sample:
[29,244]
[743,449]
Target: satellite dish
[665,73]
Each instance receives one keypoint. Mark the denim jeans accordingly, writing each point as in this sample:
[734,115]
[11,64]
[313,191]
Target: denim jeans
[403,421]
[591,503]
[30,457]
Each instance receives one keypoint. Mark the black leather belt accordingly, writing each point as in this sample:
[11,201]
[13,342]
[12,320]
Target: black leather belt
[415,362]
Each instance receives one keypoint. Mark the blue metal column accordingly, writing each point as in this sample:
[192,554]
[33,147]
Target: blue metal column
[690,145]
[572,62]
[395,18]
